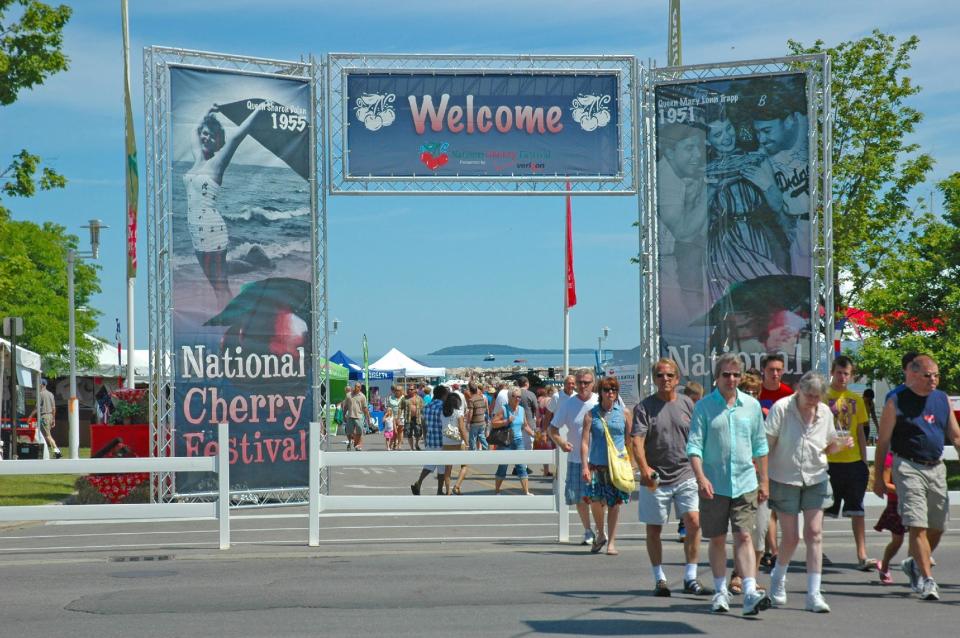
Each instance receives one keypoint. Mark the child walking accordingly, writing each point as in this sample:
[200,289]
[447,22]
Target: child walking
[388,431]
[889,520]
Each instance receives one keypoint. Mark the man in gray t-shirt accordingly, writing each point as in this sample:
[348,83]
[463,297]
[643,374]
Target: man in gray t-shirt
[529,402]
[661,426]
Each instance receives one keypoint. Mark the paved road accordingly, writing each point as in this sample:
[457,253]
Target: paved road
[485,574]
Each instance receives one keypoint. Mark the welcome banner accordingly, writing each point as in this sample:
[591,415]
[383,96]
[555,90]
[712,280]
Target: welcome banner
[241,263]
[473,124]
[733,211]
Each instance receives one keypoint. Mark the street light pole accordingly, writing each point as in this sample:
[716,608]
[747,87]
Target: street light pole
[73,405]
[603,336]
[73,408]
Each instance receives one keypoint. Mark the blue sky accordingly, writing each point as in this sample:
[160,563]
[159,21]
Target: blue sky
[420,273]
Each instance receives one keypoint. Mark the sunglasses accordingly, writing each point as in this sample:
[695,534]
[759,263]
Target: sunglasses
[728,375]
[609,390]
[665,375]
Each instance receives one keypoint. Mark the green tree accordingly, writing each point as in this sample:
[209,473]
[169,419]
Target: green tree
[875,168]
[33,285]
[30,51]
[33,279]
[918,288]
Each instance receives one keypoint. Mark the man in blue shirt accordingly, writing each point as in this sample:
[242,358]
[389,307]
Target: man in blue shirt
[726,438]
[914,425]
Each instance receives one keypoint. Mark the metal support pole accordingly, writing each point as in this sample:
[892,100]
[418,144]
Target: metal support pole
[223,480]
[129,381]
[12,452]
[73,407]
[563,511]
[314,468]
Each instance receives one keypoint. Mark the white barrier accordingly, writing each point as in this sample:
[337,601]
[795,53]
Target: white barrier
[872,500]
[219,464]
[553,503]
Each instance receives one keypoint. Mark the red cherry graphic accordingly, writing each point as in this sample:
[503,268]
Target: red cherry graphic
[434,162]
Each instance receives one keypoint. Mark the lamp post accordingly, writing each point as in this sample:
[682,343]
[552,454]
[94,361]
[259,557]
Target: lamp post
[603,337]
[73,407]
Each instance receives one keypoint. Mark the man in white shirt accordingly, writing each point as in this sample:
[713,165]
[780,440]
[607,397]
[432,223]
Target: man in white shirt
[565,430]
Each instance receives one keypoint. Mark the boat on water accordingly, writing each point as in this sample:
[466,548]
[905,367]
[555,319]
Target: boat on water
[489,357]
[519,360]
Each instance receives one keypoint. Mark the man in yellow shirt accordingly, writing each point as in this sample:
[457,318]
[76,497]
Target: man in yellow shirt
[848,468]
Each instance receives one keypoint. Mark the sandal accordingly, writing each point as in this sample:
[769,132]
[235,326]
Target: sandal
[867,564]
[598,545]
[736,584]
[456,490]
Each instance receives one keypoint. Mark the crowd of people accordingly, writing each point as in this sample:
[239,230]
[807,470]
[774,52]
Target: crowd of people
[752,456]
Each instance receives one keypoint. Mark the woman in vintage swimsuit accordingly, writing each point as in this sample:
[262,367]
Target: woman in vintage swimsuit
[213,148]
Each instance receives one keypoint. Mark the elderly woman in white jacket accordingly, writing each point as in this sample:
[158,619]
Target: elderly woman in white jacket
[800,433]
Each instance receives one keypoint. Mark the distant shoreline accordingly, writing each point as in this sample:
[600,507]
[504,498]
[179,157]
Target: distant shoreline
[482,349]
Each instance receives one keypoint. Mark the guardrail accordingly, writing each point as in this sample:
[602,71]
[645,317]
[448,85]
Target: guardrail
[871,499]
[553,503]
[219,464]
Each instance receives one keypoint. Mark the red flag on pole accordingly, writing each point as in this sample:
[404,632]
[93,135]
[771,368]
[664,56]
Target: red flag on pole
[571,281]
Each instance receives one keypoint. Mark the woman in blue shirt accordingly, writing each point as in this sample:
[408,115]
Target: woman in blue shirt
[512,416]
[609,413]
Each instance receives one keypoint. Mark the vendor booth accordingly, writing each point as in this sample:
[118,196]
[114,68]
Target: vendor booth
[28,376]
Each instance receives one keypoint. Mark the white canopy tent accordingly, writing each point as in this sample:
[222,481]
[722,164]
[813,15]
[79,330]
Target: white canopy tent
[107,362]
[28,364]
[28,376]
[403,366]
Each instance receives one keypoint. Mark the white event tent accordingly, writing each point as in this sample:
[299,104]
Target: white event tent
[403,366]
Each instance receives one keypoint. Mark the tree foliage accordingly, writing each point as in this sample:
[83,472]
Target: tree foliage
[33,285]
[30,52]
[919,287]
[33,258]
[874,166]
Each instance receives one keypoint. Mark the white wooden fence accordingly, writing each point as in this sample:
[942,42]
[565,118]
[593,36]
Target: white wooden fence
[552,503]
[218,464]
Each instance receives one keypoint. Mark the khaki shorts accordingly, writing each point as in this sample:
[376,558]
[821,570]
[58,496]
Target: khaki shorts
[46,424]
[741,512]
[921,493]
[759,532]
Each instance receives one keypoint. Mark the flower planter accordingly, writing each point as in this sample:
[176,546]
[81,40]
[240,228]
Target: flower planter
[136,436]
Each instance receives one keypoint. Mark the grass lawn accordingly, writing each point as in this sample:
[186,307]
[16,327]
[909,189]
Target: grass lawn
[953,475]
[38,489]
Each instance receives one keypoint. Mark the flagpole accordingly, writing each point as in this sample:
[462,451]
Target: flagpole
[674,37]
[133,194]
[566,306]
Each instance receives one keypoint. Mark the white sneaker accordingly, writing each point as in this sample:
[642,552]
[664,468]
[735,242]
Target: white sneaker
[721,602]
[778,593]
[588,537]
[755,602]
[909,568]
[929,590]
[817,604]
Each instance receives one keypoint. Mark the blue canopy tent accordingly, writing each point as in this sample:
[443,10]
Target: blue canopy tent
[356,370]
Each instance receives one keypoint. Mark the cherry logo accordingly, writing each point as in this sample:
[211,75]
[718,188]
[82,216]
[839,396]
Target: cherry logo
[433,162]
[929,418]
